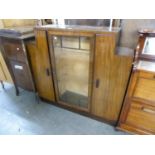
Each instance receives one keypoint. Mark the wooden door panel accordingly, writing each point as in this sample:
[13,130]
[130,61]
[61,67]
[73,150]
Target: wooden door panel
[111,75]
[41,68]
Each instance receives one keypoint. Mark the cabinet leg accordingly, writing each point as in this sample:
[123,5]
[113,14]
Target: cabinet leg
[37,97]
[2,84]
[17,91]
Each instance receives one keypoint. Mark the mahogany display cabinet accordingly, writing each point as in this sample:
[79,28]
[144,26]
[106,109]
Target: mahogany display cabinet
[81,68]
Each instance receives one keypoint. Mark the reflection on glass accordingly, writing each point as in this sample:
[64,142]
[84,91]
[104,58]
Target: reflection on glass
[84,43]
[56,41]
[72,69]
[149,46]
[70,42]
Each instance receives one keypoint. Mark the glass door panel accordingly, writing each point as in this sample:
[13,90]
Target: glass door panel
[72,59]
[149,46]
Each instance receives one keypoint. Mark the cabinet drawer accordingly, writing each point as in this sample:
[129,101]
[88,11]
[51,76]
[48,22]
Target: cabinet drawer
[14,49]
[149,75]
[141,116]
[22,75]
[145,89]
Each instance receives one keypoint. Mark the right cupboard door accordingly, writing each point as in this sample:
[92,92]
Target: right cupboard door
[101,90]
[111,74]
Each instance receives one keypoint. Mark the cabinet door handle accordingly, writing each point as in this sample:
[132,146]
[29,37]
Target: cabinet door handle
[97,83]
[47,72]
[148,110]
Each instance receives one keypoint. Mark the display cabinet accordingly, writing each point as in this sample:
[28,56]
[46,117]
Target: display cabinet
[80,68]
[138,113]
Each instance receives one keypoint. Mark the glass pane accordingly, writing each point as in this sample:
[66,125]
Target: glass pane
[149,46]
[57,41]
[84,43]
[72,72]
[70,42]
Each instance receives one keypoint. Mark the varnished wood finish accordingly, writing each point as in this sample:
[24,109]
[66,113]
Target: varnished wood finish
[18,22]
[22,76]
[4,72]
[142,116]
[113,73]
[145,89]
[138,112]
[110,69]
[80,29]
[15,55]
[39,58]
[13,49]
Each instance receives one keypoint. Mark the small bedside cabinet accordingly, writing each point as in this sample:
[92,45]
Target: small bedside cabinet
[13,46]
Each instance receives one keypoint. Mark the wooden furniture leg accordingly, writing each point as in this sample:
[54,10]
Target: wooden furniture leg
[17,90]
[2,84]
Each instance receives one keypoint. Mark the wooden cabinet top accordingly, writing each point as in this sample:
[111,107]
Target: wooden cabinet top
[90,30]
[17,32]
[146,66]
[147,31]
[79,28]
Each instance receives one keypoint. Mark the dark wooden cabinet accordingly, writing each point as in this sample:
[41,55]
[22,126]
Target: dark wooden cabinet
[81,68]
[13,47]
[21,74]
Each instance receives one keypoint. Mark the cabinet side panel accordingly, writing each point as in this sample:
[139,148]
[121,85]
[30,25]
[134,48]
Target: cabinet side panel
[4,72]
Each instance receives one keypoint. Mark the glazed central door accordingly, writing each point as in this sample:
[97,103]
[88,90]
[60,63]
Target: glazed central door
[71,58]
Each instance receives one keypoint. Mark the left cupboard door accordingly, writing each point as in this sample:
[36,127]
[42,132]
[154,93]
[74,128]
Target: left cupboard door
[41,68]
